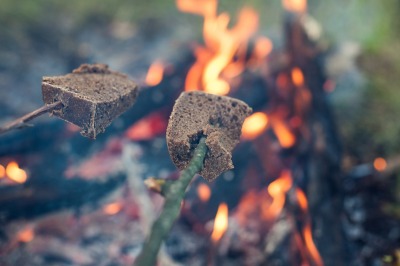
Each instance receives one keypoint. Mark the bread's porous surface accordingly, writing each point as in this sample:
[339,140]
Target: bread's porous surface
[92,96]
[219,118]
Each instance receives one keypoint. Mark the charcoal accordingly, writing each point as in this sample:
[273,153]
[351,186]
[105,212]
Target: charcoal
[92,97]
[197,114]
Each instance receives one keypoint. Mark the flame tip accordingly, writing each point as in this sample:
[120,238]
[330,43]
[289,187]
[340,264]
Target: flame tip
[296,6]
[220,222]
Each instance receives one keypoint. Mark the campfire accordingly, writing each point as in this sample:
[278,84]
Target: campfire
[284,203]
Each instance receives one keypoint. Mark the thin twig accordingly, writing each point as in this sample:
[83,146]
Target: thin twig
[21,122]
[173,197]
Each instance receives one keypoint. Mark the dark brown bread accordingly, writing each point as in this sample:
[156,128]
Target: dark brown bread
[92,96]
[219,118]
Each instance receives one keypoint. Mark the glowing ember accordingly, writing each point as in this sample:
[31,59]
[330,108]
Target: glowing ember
[254,125]
[282,81]
[2,171]
[297,77]
[312,249]
[112,208]
[297,6]
[285,137]
[155,74]
[223,53]
[263,47]
[380,164]
[204,192]
[26,235]
[15,173]
[220,222]
[277,190]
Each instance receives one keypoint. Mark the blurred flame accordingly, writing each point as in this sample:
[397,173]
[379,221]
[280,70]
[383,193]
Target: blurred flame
[112,208]
[220,222]
[285,136]
[307,233]
[246,206]
[380,164]
[277,190]
[2,171]
[155,74]
[297,6]
[222,46]
[26,235]
[147,127]
[297,77]
[262,47]
[282,81]
[312,249]
[217,86]
[302,199]
[204,192]
[254,125]
[15,173]
[206,8]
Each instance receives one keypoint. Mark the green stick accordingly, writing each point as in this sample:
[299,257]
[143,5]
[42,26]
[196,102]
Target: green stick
[174,194]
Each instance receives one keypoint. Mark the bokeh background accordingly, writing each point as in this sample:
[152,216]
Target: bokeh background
[44,38]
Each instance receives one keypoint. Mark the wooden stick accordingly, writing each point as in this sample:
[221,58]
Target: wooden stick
[173,198]
[21,122]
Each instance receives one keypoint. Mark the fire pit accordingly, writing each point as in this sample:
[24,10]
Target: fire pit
[68,200]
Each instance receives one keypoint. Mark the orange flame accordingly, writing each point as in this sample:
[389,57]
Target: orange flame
[254,125]
[155,74]
[204,192]
[285,136]
[297,6]
[205,8]
[222,46]
[15,173]
[112,208]
[380,164]
[26,235]
[297,77]
[307,233]
[2,171]
[277,190]
[302,199]
[220,222]
[312,249]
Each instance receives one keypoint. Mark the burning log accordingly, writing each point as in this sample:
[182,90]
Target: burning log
[317,163]
[29,201]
